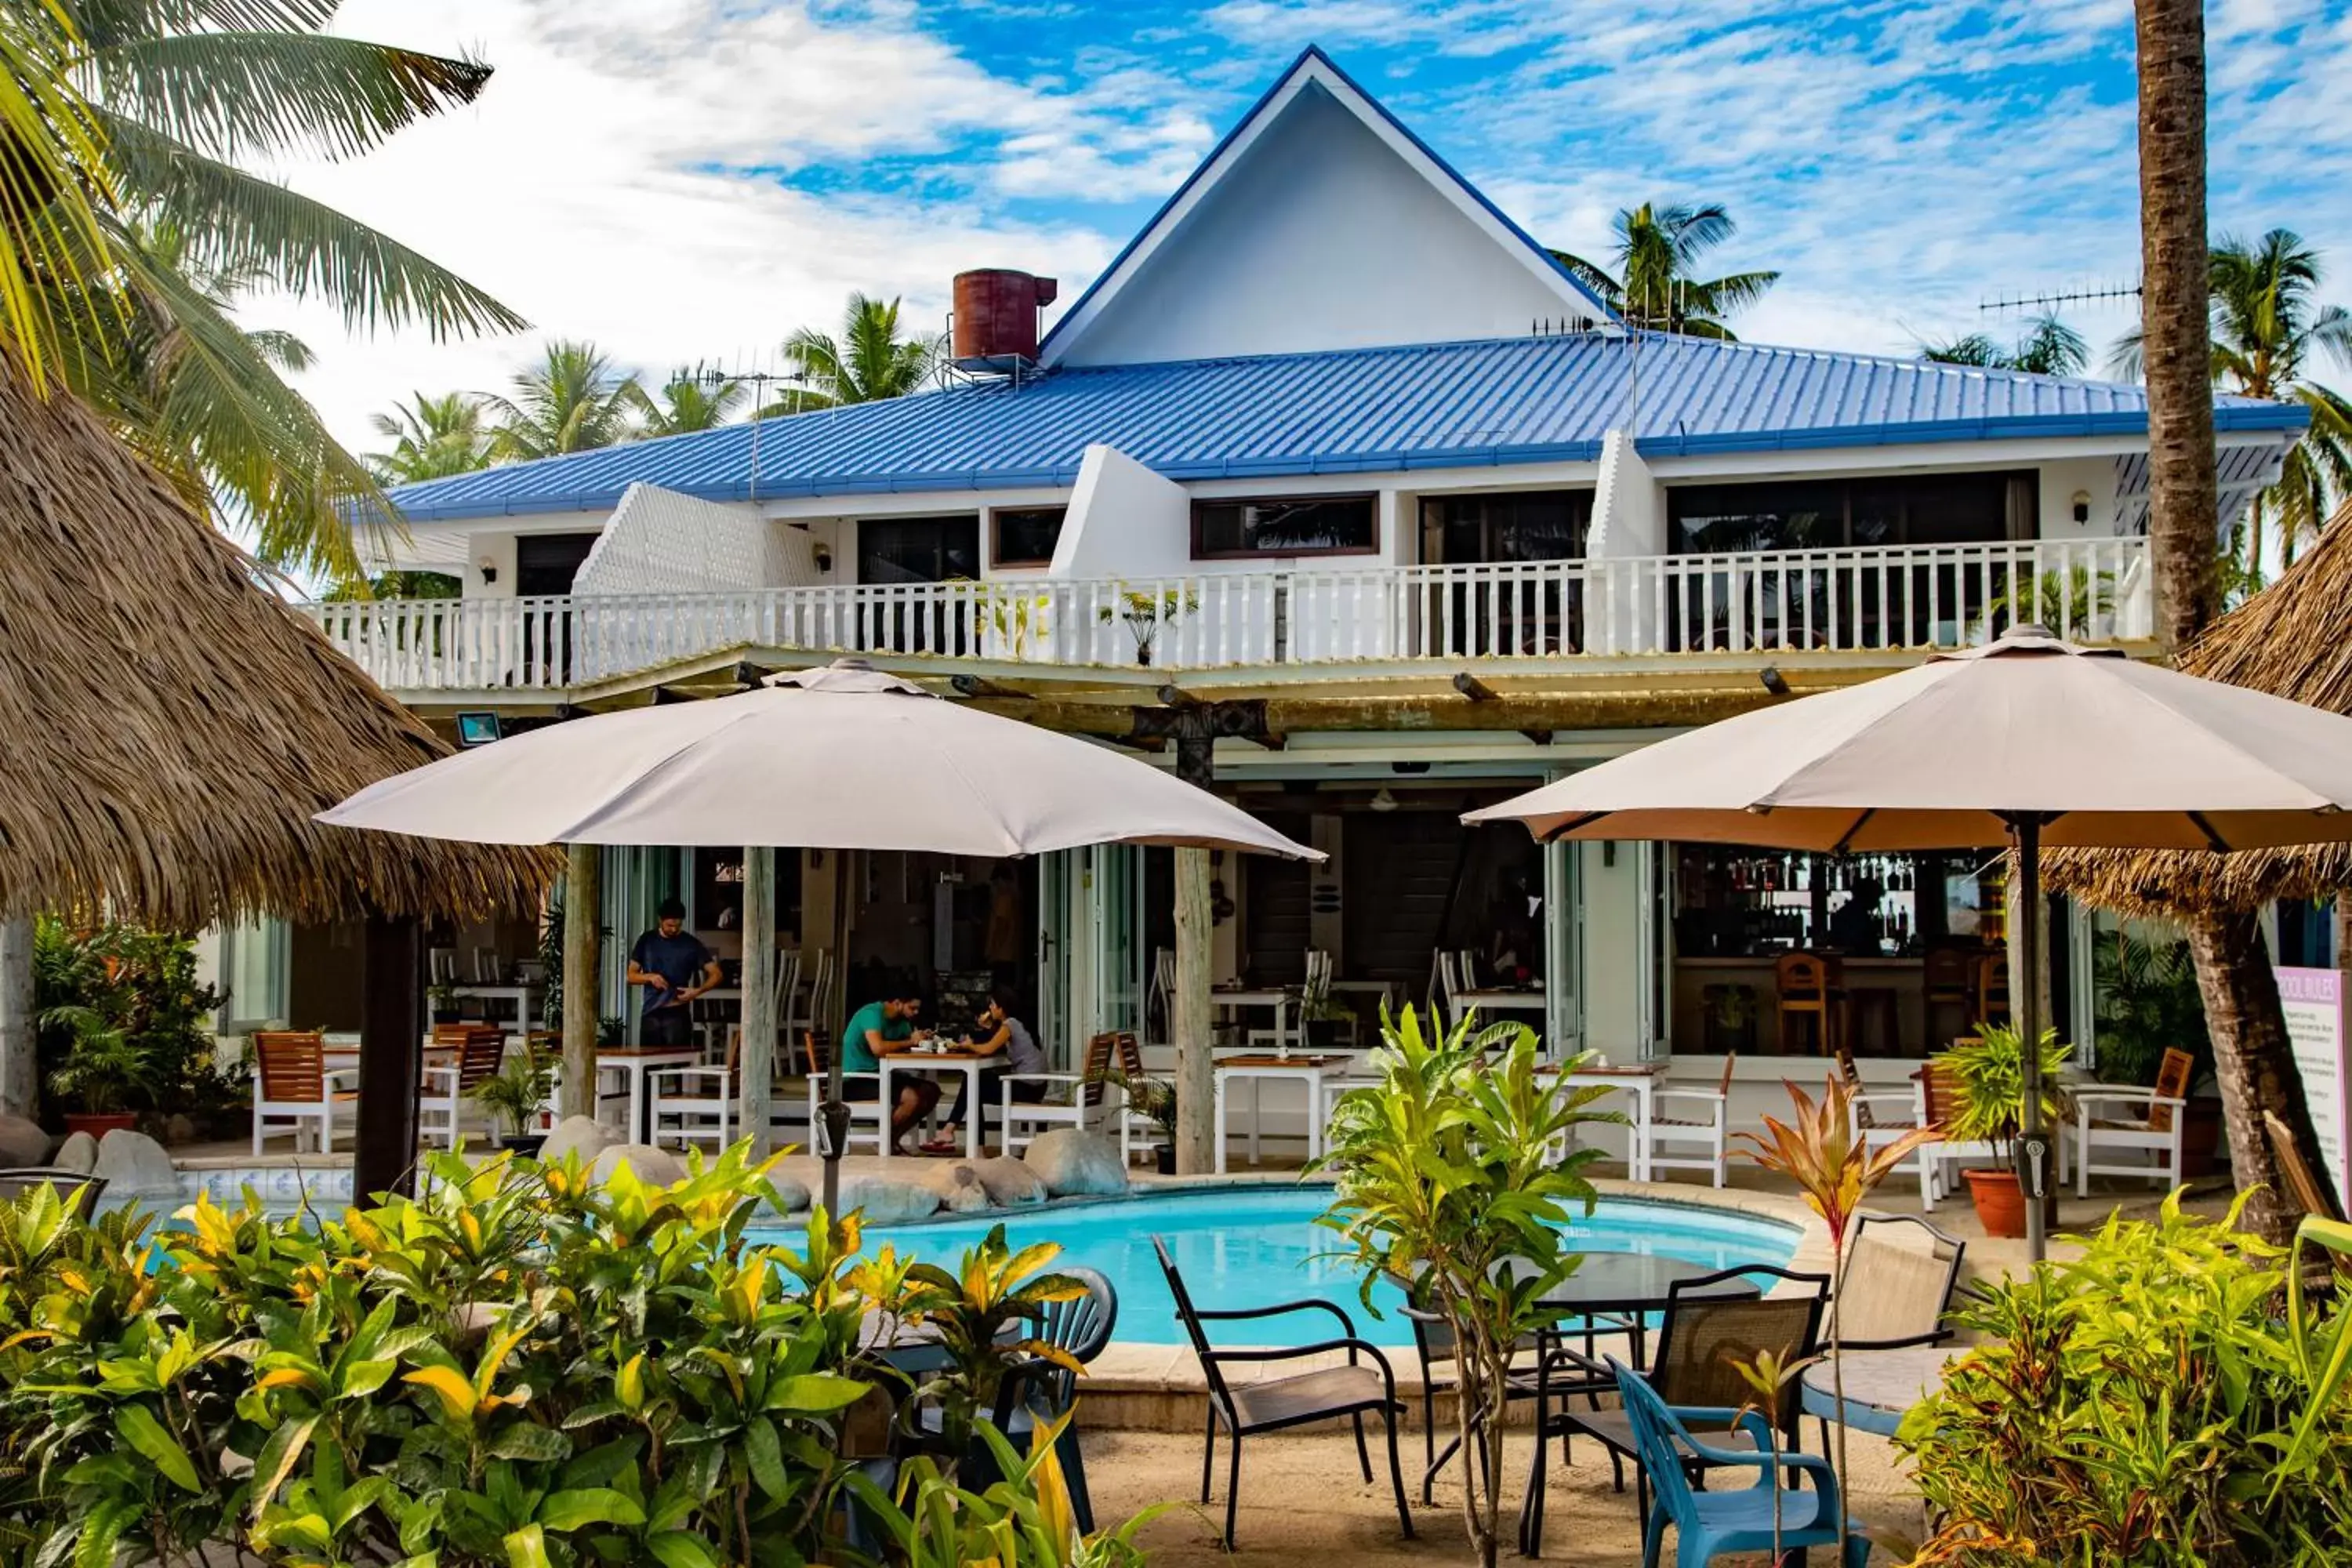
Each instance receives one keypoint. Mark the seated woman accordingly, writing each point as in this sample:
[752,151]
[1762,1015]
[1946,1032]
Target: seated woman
[996,1033]
[880,1030]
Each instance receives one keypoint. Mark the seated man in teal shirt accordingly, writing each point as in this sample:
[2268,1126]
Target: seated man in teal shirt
[877,1030]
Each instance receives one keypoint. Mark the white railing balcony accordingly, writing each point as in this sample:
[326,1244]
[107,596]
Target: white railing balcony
[1858,600]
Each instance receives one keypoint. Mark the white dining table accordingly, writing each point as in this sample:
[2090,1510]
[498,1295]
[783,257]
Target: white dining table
[972,1064]
[634,1062]
[1233,999]
[1254,1070]
[524,999]
[1502,999]
[1640,1081]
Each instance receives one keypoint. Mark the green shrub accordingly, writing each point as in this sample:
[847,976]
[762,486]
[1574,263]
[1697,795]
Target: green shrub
[2151,1403]
[2147,1002]
[516,1368]
[136,990]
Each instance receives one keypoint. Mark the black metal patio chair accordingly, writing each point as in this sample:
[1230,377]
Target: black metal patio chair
[1348,1392]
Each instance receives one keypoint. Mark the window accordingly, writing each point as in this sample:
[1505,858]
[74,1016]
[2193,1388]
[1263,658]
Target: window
[917,549]
[1826,514]
[1025,535]
[1284,525]
[1526,525]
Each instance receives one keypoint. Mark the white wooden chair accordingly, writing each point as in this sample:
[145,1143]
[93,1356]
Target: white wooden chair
[2102,1121]
[1451,982]
[443,962]
[1939,1102]
[869,1119]
[293,1089]
[1705,1121]
[443,1088]
[1160,1002]
[1083,1092]
[810,1017]
[488,970]
[1876,1120]
[697,1104]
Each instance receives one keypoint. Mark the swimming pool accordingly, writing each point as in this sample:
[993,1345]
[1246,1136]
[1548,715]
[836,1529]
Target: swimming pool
[1254,1247]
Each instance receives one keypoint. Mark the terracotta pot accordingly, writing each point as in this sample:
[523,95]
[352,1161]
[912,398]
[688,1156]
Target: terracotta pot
[98,1125]
[2000,1204]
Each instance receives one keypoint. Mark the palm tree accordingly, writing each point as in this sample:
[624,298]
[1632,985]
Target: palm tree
[177,93]
[870,360]
[1656,250]
[2267,330]
[432,438]
[2049,347]
[2252,1056]
[695,399]
[574,400]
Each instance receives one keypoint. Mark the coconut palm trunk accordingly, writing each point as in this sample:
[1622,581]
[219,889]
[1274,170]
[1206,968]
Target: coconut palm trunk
[2251,1057]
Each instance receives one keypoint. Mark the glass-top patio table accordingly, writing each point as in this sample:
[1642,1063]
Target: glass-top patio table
[1881,1387]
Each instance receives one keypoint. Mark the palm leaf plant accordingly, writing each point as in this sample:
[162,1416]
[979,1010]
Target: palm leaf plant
[992,1288]
[432,438]
[1818,1150]
[871,360]
[691,400]
[574,400]
[2049,347]
[1450,1178]
[1649,281]
[174,97]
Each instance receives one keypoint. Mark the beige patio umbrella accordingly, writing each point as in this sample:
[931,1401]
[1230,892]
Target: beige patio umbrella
[841,757]
[2028,742]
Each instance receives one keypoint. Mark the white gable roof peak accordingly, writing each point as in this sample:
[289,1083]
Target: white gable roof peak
[1385,243]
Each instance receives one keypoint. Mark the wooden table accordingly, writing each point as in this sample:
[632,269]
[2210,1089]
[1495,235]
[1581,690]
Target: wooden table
[1881,1387]
[633,1062]
[1254,1070]
[972,1064]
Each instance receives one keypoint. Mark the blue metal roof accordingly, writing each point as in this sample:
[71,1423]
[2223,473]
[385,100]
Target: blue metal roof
[1489,404]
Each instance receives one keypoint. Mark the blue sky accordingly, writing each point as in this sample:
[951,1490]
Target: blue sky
[691,179]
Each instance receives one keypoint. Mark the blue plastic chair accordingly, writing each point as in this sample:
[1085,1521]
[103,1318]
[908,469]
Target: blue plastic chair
[1707,1525]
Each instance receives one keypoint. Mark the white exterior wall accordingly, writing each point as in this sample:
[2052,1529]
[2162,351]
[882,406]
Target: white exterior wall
[659,541]
[1612,949]
[1324,237]
[1123,519]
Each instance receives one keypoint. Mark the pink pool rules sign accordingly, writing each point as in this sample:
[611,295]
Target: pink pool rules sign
[2314,1002]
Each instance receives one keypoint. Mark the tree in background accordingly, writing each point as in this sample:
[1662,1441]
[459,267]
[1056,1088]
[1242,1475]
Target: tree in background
[697,399]
[1656,252]
[432,438]
[2049,347]
[574,400]
[2251,1056]
[2267,331]
[870,360]
[175,94]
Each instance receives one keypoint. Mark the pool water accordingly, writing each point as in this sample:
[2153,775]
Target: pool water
[1254,1248]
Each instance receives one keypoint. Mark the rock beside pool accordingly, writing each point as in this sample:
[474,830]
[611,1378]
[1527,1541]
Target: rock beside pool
[1077,1163]
[791,1194]
[135,1165]
[77,1153]
[582,1135]
[1009,1181]
[958,1184]
[654,1167]
[885,1200]
[23,1141]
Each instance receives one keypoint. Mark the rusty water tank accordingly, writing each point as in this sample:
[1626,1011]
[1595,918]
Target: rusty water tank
[996,317]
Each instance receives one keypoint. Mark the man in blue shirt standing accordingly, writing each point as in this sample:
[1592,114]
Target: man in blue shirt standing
[674,968]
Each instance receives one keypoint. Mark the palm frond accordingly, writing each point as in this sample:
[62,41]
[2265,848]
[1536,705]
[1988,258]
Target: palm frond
[237,222]
[1735,291]
[52,182]
[1596,279]
[233,95]
[1976,349]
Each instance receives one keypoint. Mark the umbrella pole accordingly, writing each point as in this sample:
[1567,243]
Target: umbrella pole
[2026,831]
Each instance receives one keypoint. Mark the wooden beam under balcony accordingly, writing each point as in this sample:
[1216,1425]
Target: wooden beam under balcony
[1546,714]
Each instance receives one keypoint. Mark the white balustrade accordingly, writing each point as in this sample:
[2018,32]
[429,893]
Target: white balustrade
[1908,597]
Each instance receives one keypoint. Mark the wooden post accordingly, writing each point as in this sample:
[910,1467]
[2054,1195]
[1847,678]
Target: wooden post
[757,1063]
[20,1068]
[583,925]
[1188,1019]
[392,1057]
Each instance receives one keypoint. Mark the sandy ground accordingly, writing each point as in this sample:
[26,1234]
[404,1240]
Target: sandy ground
[1303,1501]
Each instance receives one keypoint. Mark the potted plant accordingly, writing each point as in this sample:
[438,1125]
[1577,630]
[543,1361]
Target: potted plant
[514,1096]
[442,997]
[2149,1003]
[1730,1019]
[1988,1077]
[1155,1100]
[103,1070]
[1143,613]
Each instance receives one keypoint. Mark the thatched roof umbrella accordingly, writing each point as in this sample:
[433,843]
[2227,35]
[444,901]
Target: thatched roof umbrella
[168,728]
[2293,639]
[171,727]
